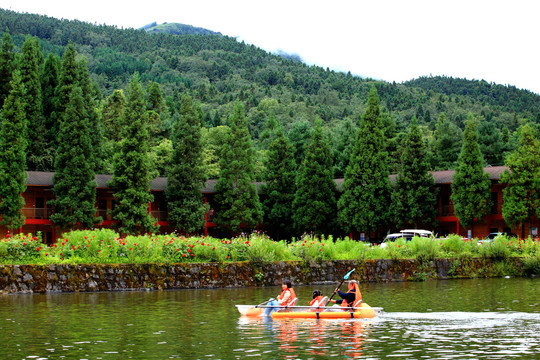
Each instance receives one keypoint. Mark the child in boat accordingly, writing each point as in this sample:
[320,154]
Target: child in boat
[353,296]
[286,298]
[317,298]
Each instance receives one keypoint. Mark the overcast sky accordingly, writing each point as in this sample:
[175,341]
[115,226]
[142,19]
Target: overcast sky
[392,40]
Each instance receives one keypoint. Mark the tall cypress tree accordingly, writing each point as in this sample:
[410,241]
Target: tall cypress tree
[7,66]
[471,187]
[90,96]
[365,201]
[343,139]
[280,186]
[315,198]
[74,178]
[132,168]
[522,192]
[13,155]
[237,200]
[112,115]
[413,198]
[49,83]
[186,175]
[30,61]
[68,79]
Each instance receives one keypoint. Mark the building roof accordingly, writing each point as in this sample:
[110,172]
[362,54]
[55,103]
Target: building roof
[44,178]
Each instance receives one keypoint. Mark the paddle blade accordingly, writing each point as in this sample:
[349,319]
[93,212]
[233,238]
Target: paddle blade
[349,273]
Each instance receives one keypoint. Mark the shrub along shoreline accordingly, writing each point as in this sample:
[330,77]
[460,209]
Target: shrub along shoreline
[106,246]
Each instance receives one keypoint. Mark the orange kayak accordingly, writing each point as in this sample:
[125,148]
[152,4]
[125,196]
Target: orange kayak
[306,312]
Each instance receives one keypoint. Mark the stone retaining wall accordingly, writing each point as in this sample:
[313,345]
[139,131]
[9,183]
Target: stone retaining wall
[119,277]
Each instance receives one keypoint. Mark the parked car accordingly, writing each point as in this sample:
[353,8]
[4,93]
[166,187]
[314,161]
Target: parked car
[493,235]
[407,234]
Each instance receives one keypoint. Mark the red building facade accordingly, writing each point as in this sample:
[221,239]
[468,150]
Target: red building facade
[40,184]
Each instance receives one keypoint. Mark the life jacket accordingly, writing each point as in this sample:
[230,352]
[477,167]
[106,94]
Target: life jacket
[316,301]
[357,297]
[292,296]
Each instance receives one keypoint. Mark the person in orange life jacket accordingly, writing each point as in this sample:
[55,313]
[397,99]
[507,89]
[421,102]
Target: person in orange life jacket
[317,297]
[353,296]
[286,298]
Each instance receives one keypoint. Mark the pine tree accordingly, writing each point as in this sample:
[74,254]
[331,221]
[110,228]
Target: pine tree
[132,169]
[522,192]
[74,178]
[299,136]
[315,198]
[112,114]
[413,198]
[69,78]
[237,200]
[267,133]
[491,144]
[186,175]
[343,139]
[30,60]
[90,97]
[445,146]
[365,201]
[7,66]
[471,186]
[49,83]
[13,143]
[280,186]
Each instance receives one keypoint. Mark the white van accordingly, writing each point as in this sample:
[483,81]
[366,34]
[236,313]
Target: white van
[408,234]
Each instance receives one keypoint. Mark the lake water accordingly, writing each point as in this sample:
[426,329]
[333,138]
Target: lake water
[455,319]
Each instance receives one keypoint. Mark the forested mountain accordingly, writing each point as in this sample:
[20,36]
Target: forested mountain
[508,97]
[177,29]
[216,71]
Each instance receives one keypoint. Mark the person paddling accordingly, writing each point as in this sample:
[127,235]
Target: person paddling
[352,298]
[286,298]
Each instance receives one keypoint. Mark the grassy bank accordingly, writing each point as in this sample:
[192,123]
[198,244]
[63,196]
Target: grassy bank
[106,247]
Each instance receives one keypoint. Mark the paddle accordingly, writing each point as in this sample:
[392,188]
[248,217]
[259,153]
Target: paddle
[266,302]
[341,283]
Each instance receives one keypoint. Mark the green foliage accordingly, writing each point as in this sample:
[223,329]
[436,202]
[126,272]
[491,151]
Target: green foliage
[237,200]
[343,138]
[186,175]
[414,200]
[279,187]
[132,168]
[531,264]
[314,204]
[498,249]
[310,248]
[74,180]
[446,144]
[29,65]
[90,97]
[491,143]
[521,196]
[105,246]
[177,29]
[365,201]
[13,143]
[471,187]
[49,83]
[7,66]
[21,247]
